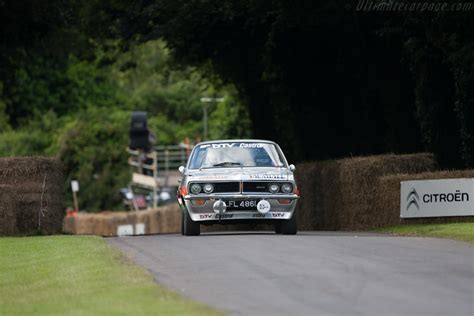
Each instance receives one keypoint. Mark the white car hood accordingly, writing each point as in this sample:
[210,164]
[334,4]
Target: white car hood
[240,174]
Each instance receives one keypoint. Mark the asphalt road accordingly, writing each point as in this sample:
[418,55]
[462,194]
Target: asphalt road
[312,273]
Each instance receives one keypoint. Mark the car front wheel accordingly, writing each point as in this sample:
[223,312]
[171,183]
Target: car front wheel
[278,227]
[182,222]
[289,226]
[188,226]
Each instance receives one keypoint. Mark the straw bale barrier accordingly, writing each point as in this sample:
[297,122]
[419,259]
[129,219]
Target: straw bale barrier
[7,212]
[31,195]
[165,219]
[341,194]
[388,197]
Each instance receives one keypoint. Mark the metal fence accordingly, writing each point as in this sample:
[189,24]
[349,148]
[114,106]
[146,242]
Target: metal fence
[160,159]
[158,168]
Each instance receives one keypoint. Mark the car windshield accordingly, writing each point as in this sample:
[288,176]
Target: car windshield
[236,154]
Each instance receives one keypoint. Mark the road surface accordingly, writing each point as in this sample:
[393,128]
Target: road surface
[312,273]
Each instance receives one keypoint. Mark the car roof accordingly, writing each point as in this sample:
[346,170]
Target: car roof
[236,140]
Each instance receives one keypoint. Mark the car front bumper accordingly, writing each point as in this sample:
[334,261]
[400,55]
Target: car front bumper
[205,212]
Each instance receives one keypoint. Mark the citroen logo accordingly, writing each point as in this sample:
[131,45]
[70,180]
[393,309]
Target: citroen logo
[413,199]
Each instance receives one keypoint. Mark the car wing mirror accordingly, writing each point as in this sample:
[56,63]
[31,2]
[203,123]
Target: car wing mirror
[292,167]
[181,169]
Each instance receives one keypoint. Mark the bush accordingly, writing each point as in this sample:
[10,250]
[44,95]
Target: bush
[92,146]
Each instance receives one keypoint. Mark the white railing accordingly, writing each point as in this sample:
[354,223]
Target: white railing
[153,170]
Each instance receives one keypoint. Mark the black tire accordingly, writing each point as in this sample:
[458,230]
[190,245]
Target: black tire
[278,227]
[289,226]
[190,227]
[182,223]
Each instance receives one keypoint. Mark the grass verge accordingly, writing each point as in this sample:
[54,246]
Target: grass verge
[80,275]
[458,231]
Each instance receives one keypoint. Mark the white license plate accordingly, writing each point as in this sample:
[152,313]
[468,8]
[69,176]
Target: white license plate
[242,204]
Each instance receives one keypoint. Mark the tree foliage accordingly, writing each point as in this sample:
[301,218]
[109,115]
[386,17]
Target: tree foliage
[322,78]
[325,79]
[67,93]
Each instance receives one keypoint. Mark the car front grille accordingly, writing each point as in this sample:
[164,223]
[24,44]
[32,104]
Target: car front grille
[224,187]
[255,187]
[234,187]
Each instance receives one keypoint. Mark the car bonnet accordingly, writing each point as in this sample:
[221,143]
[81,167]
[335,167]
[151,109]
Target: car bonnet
[240,174]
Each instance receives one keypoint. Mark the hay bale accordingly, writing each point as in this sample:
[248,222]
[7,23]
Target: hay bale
[31,212]
[145,218]
[153,221]
[171,222]
[35,191]
[7,212]
[27,170]
[341,194]
[388,198]
[69,226]
[319,183]
[166,219]
[361,179]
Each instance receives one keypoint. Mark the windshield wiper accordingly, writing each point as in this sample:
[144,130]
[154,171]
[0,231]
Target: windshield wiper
[227,163]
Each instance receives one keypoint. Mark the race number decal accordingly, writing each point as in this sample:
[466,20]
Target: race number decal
[263,206]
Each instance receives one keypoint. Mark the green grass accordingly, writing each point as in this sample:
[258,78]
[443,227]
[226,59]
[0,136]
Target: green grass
[458,231]
[80,275]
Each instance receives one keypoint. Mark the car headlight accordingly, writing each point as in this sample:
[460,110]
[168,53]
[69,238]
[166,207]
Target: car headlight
[287,188]
[274,188]
[195,188]
[208,188]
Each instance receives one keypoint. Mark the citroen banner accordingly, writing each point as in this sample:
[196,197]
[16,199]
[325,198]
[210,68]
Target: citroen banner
[435,198]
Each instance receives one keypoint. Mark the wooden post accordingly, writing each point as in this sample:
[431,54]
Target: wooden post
[76,202]
[155,177]
[75,189]
[140,160]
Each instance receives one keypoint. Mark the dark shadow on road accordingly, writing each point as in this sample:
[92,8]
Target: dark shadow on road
[303,233]
[267,233]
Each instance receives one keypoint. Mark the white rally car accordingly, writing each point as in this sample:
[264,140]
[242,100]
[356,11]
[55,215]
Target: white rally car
[235,181]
